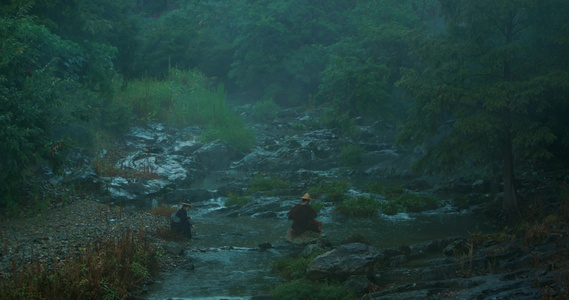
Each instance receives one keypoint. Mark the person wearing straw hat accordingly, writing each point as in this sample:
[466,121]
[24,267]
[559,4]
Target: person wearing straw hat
[181,221]
[303,217]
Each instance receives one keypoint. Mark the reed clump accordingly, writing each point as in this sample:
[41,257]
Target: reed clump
[112,268]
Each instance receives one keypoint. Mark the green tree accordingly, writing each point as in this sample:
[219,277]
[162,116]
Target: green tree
[195,35]
[279,47]
[363,65]
[482,82]
[37,91]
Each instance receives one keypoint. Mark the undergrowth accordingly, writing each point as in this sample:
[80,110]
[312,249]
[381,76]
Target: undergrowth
[293,269]
[305,289]
[236,199]
[266,184]
[331,191]
[397,200]
[361,206]
[185,98]
[107,269]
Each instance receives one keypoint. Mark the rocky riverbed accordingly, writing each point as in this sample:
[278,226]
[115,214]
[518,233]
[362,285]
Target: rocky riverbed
[58,232]
[512,264]
[158,163]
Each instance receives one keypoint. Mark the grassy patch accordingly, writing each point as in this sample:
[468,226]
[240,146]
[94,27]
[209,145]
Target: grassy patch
[292,267]
[305,289]
[262,183]
[332,191]
[235,199]
[361,206]
[408,202]
[185,98]
[400,201]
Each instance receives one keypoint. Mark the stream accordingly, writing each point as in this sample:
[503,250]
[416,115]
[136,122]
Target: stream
[226,262]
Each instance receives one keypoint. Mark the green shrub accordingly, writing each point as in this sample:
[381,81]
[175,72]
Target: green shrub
[184,98]
[417,202]
[351,154]
[317,205]
[390,208]
[292,267]
[386,191]
[234,199]
[408,202]
[262,183]
[265,110]
[234,133]
[333,119]
[333,191]
[364,206]
[399,201]
[304,289]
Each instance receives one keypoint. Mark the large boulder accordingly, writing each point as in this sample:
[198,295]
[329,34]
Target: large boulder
[345,261]
[302,239]
[217,155]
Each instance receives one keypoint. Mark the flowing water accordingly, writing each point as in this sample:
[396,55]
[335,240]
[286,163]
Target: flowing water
[227,263]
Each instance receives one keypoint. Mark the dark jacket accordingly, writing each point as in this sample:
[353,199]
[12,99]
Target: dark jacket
[184,226]
[303,218]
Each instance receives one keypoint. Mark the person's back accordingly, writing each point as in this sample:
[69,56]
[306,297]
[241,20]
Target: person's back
[303,217]
[181,221]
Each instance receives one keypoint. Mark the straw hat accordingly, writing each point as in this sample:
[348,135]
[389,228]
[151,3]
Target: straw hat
[306,197]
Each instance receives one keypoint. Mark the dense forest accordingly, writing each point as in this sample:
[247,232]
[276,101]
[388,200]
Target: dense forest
[480,86]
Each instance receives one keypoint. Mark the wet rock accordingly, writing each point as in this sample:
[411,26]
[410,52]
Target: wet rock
[358,284]
[174,248]
[354,238]
[458,247]
[217,155]
[318,247]
[345,261]
[303,239]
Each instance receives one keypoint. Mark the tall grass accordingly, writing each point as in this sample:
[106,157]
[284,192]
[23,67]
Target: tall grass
[108,269]
[186,98]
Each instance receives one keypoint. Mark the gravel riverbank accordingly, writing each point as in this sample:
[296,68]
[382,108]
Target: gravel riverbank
[61,230]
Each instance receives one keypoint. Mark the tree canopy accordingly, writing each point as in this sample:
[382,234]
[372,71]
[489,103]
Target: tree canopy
[485,81]
[482,89]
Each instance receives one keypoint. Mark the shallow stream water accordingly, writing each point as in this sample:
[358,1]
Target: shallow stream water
[227,263]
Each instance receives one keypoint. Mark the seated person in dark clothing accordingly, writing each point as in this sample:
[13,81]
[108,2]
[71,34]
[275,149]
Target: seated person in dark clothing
[303,217]
[181,221]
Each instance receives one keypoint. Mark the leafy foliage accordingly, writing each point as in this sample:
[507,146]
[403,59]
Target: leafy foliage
[235,199]
[400,201]
[364,64]
[279,50]
[263,183]
[184,98]
[332,191]
[480,82]
[304,289]
[360,206]
[30,98]
[265,110]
